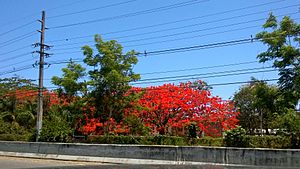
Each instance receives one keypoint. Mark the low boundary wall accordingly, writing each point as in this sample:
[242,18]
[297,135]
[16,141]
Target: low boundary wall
[156,154]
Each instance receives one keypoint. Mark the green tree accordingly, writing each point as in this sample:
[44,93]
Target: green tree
[110,77]
[258,105]
[73,90]
[282,40]
[69,82]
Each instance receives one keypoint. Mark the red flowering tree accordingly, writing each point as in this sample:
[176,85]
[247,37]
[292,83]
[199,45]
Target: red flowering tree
[169,109]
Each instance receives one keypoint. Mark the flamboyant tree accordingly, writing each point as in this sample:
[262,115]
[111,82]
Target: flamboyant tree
[169,108]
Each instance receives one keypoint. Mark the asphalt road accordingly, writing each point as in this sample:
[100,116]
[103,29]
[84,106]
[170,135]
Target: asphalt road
[30,163]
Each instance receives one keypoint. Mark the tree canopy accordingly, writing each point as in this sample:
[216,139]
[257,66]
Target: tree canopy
[282,40]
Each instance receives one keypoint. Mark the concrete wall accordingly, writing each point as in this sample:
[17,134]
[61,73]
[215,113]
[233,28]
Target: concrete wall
[220,155]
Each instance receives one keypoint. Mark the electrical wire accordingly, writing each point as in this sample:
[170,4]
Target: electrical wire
[91,9]
[36,13]
[181,33]
[199,68]
[153,10]
[188,48]
[15,57]
[64,5]
[198,46]
[17,63]
[176,21]
[207,73]
[16,70]
[14,50]
[20,39]
[203,77]
[17,28]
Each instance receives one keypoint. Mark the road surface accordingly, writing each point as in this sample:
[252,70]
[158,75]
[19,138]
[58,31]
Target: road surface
[30,163]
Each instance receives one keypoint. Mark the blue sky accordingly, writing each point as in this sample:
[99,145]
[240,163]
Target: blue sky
[166,27]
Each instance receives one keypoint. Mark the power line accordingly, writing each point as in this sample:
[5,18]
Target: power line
[199,68]
[203,23]
[91,9]
[18,37]
[17,63]
[200,75]
[64,5]
[17,28]
[16,70]
[177,21]
[162,8]
[194,31]
[36,13]
[172,50]
[207,73]
[176,39]
[198,46]
[14,50]
[181,33]
[204,77]
[188,48]
[17,40]
[240,82]
[15,57]
[169,71]
[214,84]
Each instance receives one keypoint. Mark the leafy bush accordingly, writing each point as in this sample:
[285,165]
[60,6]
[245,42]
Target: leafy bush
[236,138]
[269,141]
[209,141]
[15,137]
[56,129]
[154,140]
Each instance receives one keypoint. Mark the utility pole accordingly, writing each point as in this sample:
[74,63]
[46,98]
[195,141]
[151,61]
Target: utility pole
[41,77]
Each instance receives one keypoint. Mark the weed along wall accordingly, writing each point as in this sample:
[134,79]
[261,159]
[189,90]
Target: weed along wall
[176,154]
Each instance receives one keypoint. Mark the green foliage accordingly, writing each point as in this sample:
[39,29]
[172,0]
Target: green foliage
[279,142]
[14,132]
[136,126]
[282,39]
[207,141]
[155,140]
[259,104]
[144,140]
[289,122]
[14,137]
[236,138]
[13,83]
[110,77]
[56,128]
[69,82]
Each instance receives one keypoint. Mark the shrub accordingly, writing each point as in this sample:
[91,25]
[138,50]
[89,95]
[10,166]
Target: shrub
[209,141]
[56,129]
[236,138]
[15,137]
[269,141]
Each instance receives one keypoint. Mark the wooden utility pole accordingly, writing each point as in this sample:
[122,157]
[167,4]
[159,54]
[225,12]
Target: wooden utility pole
[39,121]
